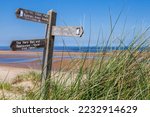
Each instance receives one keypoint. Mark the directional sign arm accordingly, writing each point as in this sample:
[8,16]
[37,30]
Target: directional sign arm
[32,16]
[73,31]
[27,44]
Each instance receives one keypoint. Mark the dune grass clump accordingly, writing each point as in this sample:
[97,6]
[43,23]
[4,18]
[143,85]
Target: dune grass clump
[123,75]
[21,87]
[5,86]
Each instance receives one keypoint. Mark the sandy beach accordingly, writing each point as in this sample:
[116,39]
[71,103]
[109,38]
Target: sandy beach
[14,63]
[33,60]
[22,62]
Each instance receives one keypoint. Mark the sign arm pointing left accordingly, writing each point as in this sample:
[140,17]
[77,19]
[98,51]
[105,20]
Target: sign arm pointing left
[32,16]
[27,44]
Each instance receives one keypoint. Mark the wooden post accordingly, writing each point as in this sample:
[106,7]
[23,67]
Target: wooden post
[48,56]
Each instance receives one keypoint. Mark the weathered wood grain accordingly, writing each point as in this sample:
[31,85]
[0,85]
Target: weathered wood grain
[73,31]
[48,55]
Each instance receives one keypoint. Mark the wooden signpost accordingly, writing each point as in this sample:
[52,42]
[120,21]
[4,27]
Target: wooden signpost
[48,43]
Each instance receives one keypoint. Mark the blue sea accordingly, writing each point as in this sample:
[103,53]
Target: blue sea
[80,49]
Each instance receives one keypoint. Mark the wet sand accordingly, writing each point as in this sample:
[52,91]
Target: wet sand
[9,70]
[62,60]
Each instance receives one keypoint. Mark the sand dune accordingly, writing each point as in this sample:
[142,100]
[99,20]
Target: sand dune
[7,74]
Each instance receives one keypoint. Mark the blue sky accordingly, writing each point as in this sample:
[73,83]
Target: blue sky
[73,13]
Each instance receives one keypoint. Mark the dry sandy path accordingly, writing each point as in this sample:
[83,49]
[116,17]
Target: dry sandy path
[7,74]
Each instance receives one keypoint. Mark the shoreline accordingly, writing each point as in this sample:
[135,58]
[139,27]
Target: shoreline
[33,60]
[36,64]
[11,70]
[8,71]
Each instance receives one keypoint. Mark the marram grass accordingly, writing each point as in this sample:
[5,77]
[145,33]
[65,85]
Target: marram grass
[125,75]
